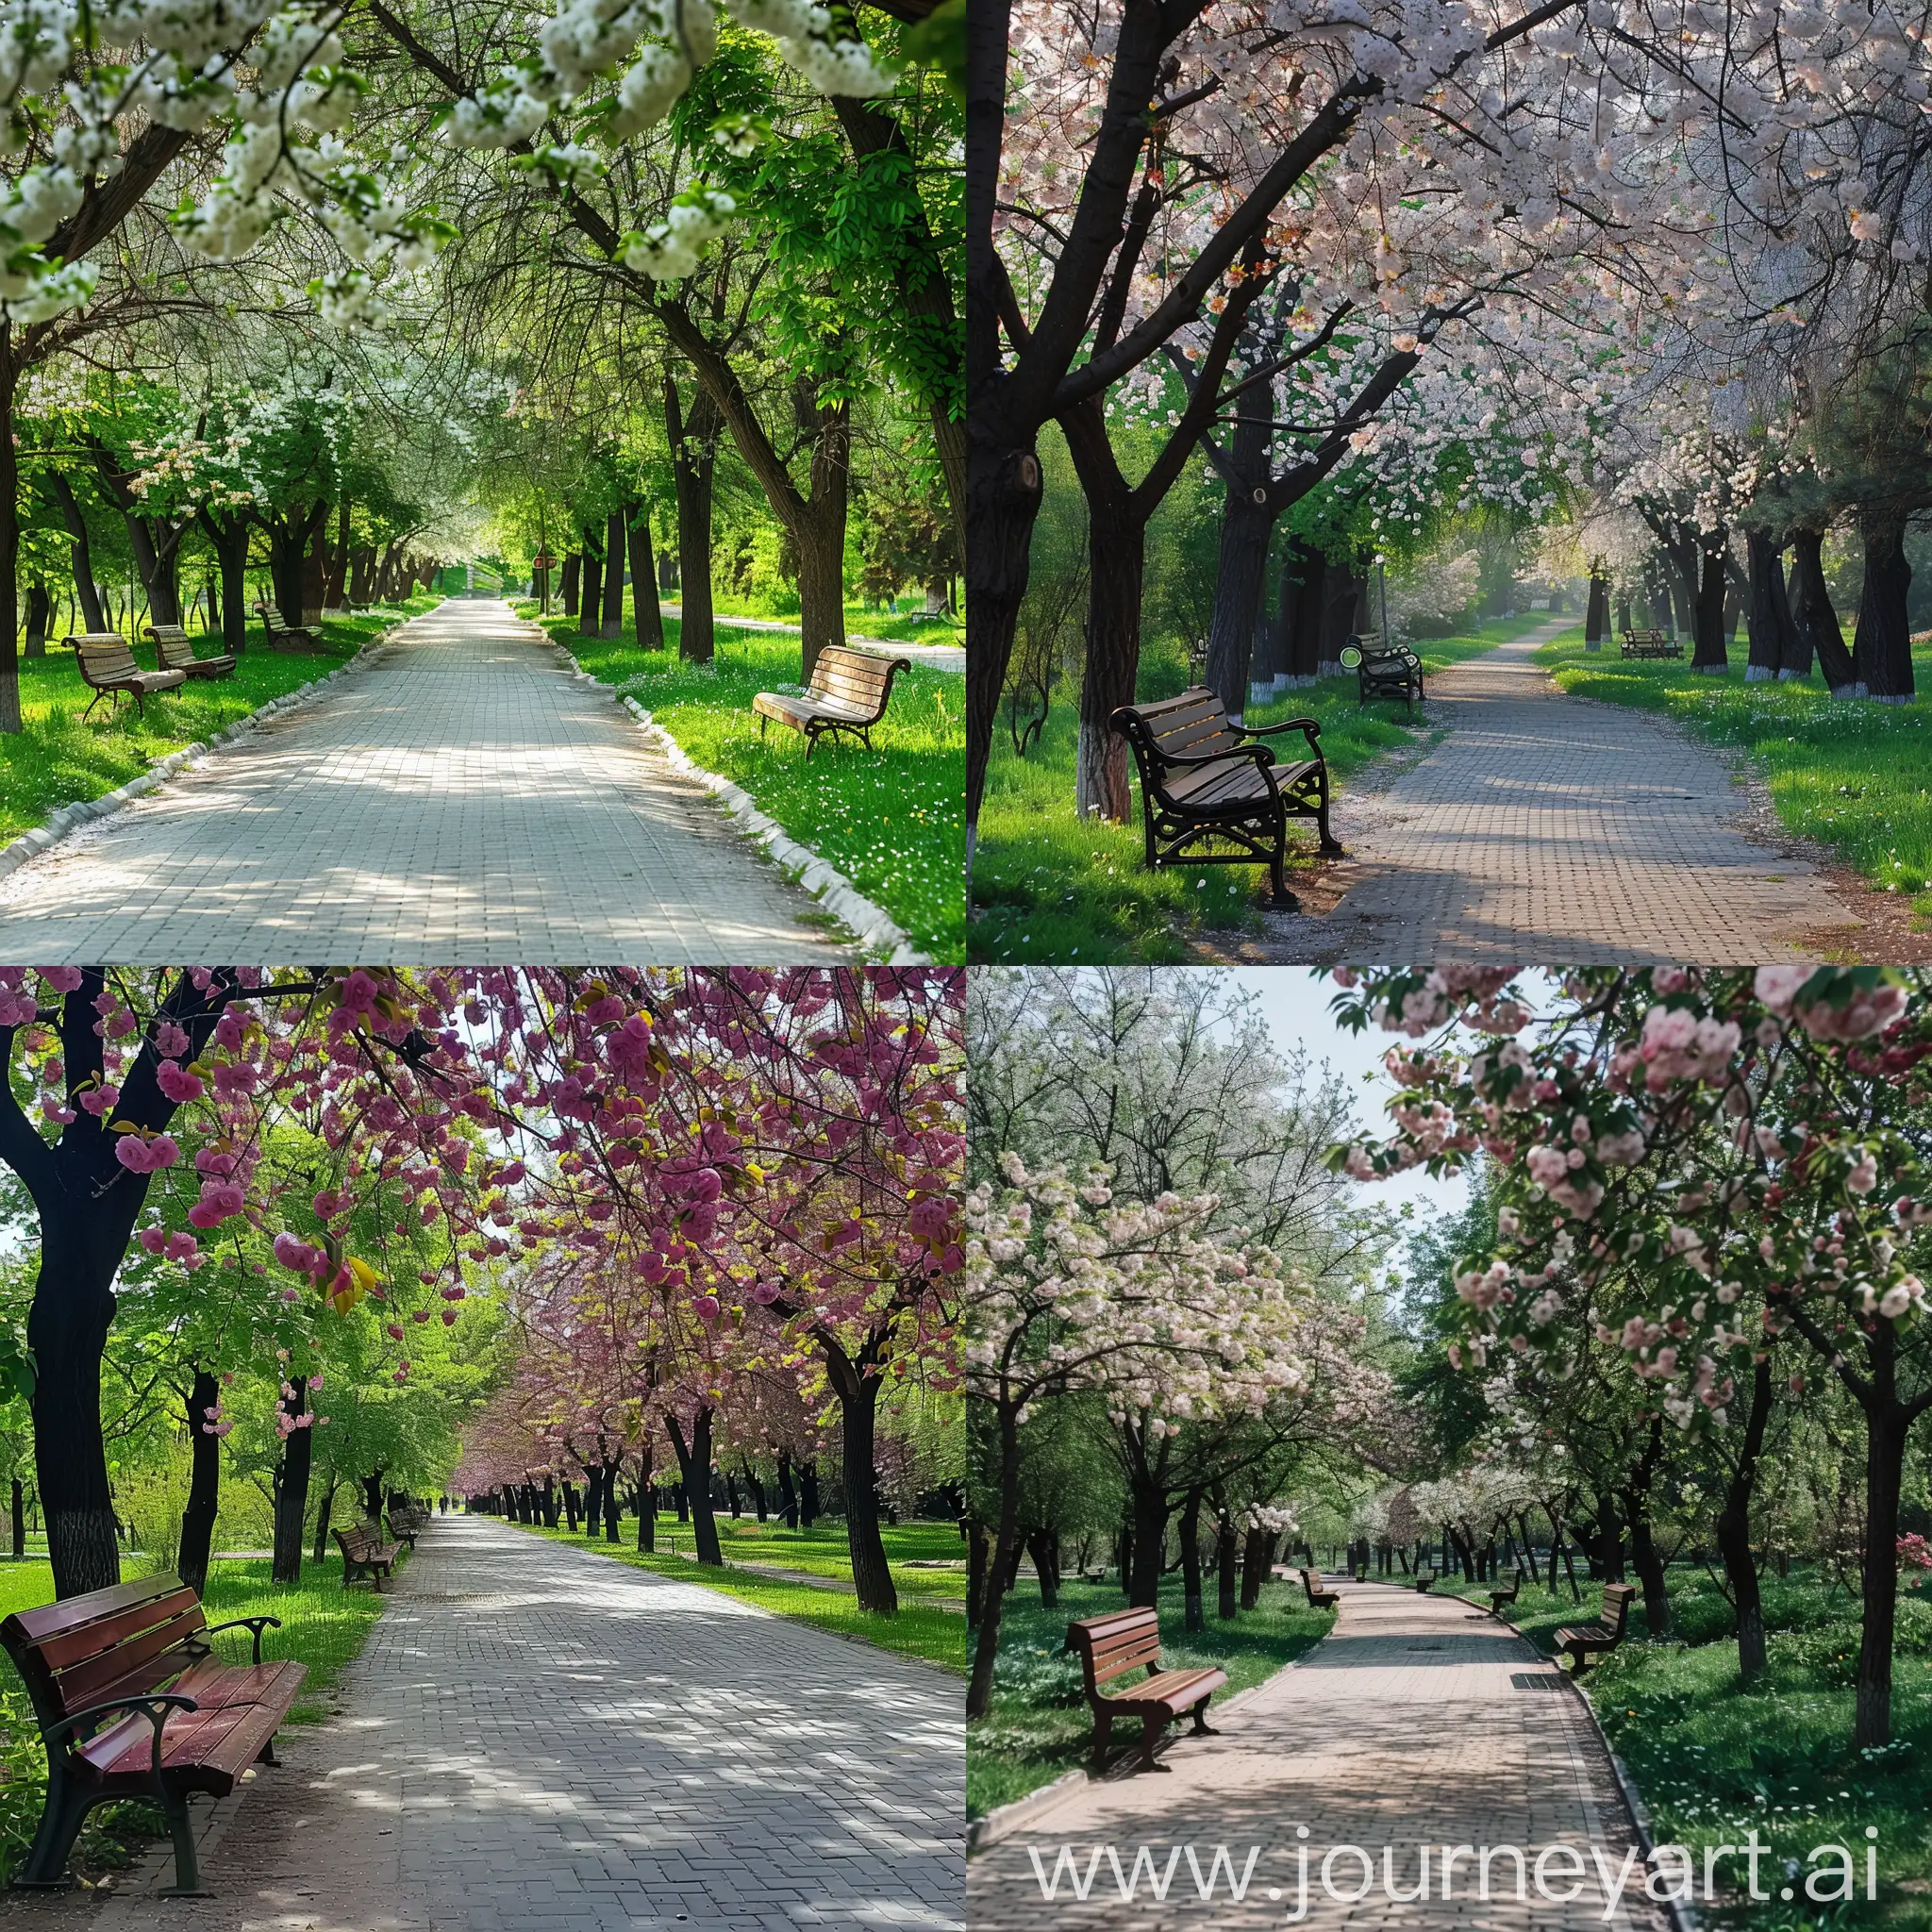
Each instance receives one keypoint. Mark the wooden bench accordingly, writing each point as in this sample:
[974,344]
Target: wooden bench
[132,1702]
[1382,671]
[1578,1641]
[108,667]
[1113,1645]
[1318,1599]
[847,692]
[283,635]
[1650,644]
[406,1523]
[1203,781]
[176,653]
[1501,1600]
[1423,1578]
[362,1554]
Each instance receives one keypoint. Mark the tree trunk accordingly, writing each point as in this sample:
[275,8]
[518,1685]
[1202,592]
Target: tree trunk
[1341,590]
[821,545]
[1116,545]
[1707,618]
[291,1494]
[570,1507]
[644,578]
[323,1510]
[1042,1545]
[1609,1541]
[1254,1566]
[1192,1617]
[808,1511]
[1596,620]
[694,1467]
[81,549]
[1882,646]
[646,1504]
[362,574]
[613,1507]
[987,1644]
[1225,1563]
[1812,616]
[204,1482]
[1734,1530]
[788,1496]
[19,1521]
[693,458]
[872,1576]
[9,542]
[615,537]
[336,576]
[1773,640]
[1240,575]
[39,620]
[573,571]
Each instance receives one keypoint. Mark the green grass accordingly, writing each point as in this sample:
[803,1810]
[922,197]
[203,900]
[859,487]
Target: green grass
[1049,886]
[57,760]
[891,819]
[1712,1757]
[920,1630]
[323,1624]
[1039,1724]
[1854,776]
[821,1551]
[907,626]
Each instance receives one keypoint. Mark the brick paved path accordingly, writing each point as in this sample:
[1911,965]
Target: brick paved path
[1550,828]
[540,1740]
[1405,1725]
[463,798]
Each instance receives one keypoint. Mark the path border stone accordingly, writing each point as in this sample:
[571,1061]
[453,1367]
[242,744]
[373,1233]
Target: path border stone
[68,818]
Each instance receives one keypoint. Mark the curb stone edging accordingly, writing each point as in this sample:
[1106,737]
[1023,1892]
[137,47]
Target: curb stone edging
[56,825]
[875,928]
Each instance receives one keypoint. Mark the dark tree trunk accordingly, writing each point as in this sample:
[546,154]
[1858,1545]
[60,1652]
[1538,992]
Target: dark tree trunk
[1300,569]
[362,574]
[978,1543]
[694,1467]
[1596,620]
[1609,1541]
[788,1496]
[646,1504]
[1310,617]
[570,1507]
[1116,545]
[1043,1547]
[615,537]
[693,457]
[1644,1556]
[613,1508]
[291,1491]
[755,1488]
[858,1394]
[1193,1616]
[204,1482]
[39,620]
[336,576]
[1148,1538]
[573,571]
[1240,576]
[1882,647]
[1341,591]
[1734,1530]
[1708,622]
[324,1510]
[1529,1552]
[1254,1566]
[731,1495]
[81,550]
[1225,1563]
[1006,1537]
[643,579]
[372,1496]
[1774,637]
[821,545]
[19,1520]
[228,533]
[1812,616]
[808,1511]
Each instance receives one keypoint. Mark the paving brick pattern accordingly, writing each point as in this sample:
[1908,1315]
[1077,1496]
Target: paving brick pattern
[1412,1722]
[462,798]
[1550,827]
[540,1740]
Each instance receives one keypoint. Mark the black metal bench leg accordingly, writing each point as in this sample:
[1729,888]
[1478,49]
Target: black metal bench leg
[46,1869]
[1277,868]
[186,1871]
[1103,1736]
[1202,1727]
[1152,1725]
[267,1754]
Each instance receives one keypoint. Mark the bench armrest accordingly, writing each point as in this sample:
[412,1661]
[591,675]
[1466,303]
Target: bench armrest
[1308,727]
[154,1705]
[256,1624]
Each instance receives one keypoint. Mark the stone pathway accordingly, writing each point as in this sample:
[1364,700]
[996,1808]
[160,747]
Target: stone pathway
[541,1740]
[1418,1720]
[1550,828]
[463,798]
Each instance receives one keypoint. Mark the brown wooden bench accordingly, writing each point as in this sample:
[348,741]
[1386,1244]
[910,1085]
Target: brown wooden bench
[283,635]
[132,1702]
[1382,671]
[176,653]
[1202,780]
[1578,1641]
[1423,1578]
[1113,1645]
[1318,1599]
[847,692]
[364,1554]
[406,1523]
[1501,1600]
[1650,644]
[108,667]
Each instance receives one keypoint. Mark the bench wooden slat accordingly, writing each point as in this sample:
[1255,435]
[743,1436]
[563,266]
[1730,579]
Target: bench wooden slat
[848,691]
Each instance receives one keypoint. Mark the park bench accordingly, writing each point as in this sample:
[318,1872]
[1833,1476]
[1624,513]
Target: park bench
[132,1702]
[1318,1599]
[283,635]
[847,692]
[1382,671]
[363,1553]
[1423,1578]
[1579,1640]
[1650,644]
[1113,1645]
[108,667]
[406,1523]
[176,653]
[1202,780]
[1501,1600]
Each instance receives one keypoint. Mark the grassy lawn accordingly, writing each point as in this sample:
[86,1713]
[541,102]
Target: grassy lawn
[57,760]
[901,627]
[1714,1758]
[891,819]
[1854,776]
[821,1550]
[323,1624]
[1039,1724]
[920,1630]
[1049,886]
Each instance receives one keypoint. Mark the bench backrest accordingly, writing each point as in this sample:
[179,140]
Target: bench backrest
[1193,726]
[1617,1605]
[107,1644]
[1645,636]
[172,648]
[105,656]
[271,618]
[854,677]
[1113,1645]
[355,1542]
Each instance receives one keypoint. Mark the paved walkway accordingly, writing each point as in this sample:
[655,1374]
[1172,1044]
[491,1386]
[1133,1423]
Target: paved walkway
[540,1740]
[1550,828]
[1418,1720]
[463,798]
